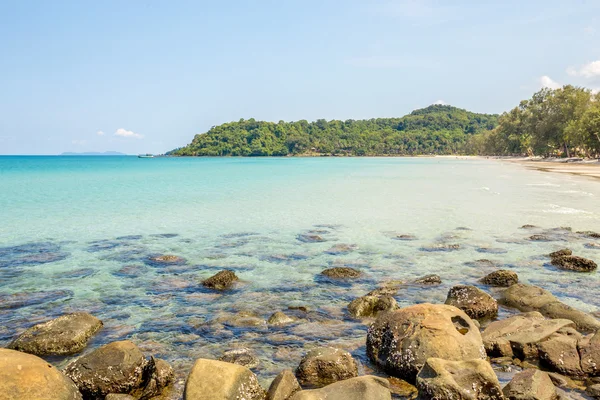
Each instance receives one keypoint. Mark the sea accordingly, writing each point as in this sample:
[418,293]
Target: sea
[80,234]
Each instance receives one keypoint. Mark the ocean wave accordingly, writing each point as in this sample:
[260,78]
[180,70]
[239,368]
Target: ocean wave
[577,192]
[548,184]
[556,209]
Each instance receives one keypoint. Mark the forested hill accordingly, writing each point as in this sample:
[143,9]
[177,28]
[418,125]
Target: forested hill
[437,129]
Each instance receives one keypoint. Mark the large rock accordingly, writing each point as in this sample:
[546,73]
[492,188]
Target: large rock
[583,321]
[222,280]
[218,380]
[67,334]
[559,353]
[476,303]
[501,278]
[279,318]
[283,386]
[589,350]
[593,391]
[519,335]
[458,380]
[369,306]
[117,367]
[361,388]
[530,384]
[242,356]
[158,375]
[25,376]
[401,341]
[325,365]
[574,263]
[341,273]
[429,280]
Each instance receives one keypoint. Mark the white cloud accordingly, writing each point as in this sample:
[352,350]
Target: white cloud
[122,132]
[547,82]
[589,70]
[440,103]
[100,133]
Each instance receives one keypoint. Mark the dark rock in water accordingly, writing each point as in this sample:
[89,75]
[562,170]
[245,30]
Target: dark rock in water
[78,273]
[126,256]
[501,278]
[590,234]
[158,375]
[221,280]
[299,308]
[165,259]
[130,237]
[341,249]
[244,357]
[540,238]
[366,387]
[441,247]
[341,273]
[528,226]
[31,254]
[102,245]
[481,263]
[560,253]
[212,379]
[325,365]
[131,271]
[491,250]
[17,300]
[243,319]
[275,258]
[530,384]
[308,238]
[27,377]
[67,334]
[238,235]
[429,280]
[404,237]
[463,228]
[278,318]
[476,303]
[283,386]
[458,380]
[165,235]
[592,245]
[401,341]
[368,306]
[574,263]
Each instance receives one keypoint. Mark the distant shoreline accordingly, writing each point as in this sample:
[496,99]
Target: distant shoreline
[581,167]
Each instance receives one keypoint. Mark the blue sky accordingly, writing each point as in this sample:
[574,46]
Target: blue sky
[145,76]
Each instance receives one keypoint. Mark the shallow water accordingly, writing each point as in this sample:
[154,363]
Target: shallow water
[77,233]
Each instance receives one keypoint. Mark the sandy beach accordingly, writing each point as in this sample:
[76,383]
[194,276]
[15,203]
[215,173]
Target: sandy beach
[588,168]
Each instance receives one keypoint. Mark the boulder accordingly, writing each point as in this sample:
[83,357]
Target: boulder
[539,238]
[341,273]
[429,280]
[589,350]
[560,253]
[583,321]
[476,303]
[530,384]
[458,380]
[25,376]
[278,318]
[117,396]
[559,353]
[590,234]
[221,280]
[242,356]
[526,297]
[518,336]
[218,380]
[117,367]
[360,388]
[283,386]
[401,341]
[158,375]
[501,278]
[67,334]
[369,306]
[325,365]
[574,263]
[593,391]
[401,388]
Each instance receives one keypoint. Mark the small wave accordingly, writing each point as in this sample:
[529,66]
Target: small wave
[577,192]
[556,209]
[543,184]
[487,189]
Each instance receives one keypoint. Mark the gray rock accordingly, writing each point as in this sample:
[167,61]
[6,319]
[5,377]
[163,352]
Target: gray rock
[283,386]
[530,384]
[360,388]
[222,280]
[325,365]
[476,303]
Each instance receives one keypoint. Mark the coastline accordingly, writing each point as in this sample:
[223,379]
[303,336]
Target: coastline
[586,168]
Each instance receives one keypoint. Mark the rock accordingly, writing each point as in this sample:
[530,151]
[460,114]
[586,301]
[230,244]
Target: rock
[405,237]
[501,278]
[115,396]
[167,259]
[594,391]
[24,299]
[527,297]
[25,376]
[589,350]
[158,375]
[590,234]
[458,380]
[476,303]
[559,353]
[278,318]
[401,341]
[528,226]
[530,384]
[574,263]
[310,238]
[583,321]
[221,280]
[117,367]
[243,356]
[218,380]
[401,388]
[592,245]
[360,388]
[539,238]
[519,335]
[67,334]
[243,319]
[441,247]
[283,386]
[341,249]
[560,253]
[369,306]
[325,365]
[429,280]
[341,273]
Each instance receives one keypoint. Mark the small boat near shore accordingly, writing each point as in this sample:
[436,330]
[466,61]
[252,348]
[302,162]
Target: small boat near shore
[146,156]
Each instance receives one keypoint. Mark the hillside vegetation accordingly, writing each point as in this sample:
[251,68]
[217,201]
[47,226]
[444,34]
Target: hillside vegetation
[437,129]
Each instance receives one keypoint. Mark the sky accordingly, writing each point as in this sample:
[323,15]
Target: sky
[146,76]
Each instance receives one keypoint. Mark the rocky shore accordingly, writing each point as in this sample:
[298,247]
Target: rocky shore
[498,339]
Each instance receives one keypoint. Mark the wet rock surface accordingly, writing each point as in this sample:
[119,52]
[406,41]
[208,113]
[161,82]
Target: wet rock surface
[243,356]
[476,303]
[370,306]
[341,273]
[501,278]
[359,388]
[429,280]
[574,263]
[283,386]
[325,365]
[530,384]
[222,280]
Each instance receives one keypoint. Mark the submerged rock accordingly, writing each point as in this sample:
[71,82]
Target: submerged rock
[476,303]
[540,238]
[243,356]
[222,280]
[458,380]
[218,380]
[67,334]
[429,280]
[310,238]
[593,391]
[530,384]
[283,386]
[341,273]
[574,263]
[560,253]
[325,365]
[24,299]
[441,247]
[25,376]
[279,318]
[590,234]
[501,278]
[368,306]
[404,237]
[166,259]
[341,249]
[360,388]
[401,341]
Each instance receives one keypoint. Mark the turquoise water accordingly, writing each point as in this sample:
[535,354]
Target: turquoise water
[76,233]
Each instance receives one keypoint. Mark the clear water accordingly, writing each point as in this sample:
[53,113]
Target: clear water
[69,226]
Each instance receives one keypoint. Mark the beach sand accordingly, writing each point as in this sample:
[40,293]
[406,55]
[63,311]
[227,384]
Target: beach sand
[589,168]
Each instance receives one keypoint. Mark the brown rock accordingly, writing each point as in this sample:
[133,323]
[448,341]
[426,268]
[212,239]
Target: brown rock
[530,384]
[561,253]
[221,280]
[574,263]
[501,278]
[368,306]
[361,388]
[283,386]
[341,273]
[429,280]
[476,303]
[559,353]
[325,365]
